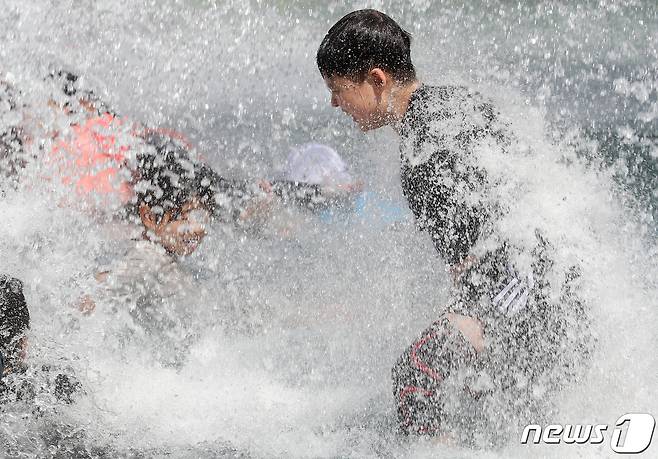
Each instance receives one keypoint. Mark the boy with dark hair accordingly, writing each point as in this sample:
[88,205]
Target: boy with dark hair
[515,330]
[176,199]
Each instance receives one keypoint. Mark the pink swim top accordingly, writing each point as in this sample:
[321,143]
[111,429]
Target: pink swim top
[91,157]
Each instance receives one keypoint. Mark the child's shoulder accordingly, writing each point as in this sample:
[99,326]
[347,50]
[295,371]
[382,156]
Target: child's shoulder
[447,101]
[445,122]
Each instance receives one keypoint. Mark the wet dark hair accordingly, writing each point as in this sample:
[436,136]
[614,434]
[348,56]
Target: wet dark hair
[14,316]
[67,79]
[363,40]
[168,179]
[69,85]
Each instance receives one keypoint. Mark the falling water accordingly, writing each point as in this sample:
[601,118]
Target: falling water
[297,335]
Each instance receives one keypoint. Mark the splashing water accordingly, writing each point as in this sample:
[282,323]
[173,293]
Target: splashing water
[296,337]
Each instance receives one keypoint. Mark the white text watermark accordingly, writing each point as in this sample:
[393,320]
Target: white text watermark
[631,433]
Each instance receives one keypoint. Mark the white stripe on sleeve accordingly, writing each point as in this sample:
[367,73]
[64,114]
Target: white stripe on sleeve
[514,295]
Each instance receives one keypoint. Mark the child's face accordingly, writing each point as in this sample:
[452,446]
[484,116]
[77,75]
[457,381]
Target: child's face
[362,101]
[180,233]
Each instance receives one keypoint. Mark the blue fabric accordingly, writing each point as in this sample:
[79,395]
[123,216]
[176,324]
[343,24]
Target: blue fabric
[367,208]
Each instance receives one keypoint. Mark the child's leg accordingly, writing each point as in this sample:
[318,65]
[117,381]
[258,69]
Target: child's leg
[450,343]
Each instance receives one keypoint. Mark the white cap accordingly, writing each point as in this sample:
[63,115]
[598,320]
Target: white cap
[316,164]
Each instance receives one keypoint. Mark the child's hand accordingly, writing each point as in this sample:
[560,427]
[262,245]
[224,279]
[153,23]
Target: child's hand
[261,206]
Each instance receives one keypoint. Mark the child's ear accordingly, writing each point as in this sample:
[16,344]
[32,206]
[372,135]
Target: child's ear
[378,78]
[147,216]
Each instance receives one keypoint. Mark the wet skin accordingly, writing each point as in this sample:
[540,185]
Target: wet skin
[179,233]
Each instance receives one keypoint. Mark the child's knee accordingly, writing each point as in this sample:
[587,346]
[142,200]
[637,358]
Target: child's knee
[428,360]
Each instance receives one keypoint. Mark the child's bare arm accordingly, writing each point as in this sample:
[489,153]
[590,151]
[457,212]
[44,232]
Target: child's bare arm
[260,206]
[86,303]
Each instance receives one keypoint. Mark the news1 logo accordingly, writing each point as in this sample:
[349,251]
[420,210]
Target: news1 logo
[631,434]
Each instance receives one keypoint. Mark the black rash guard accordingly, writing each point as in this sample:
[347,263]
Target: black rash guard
[535,324]
[440,179]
